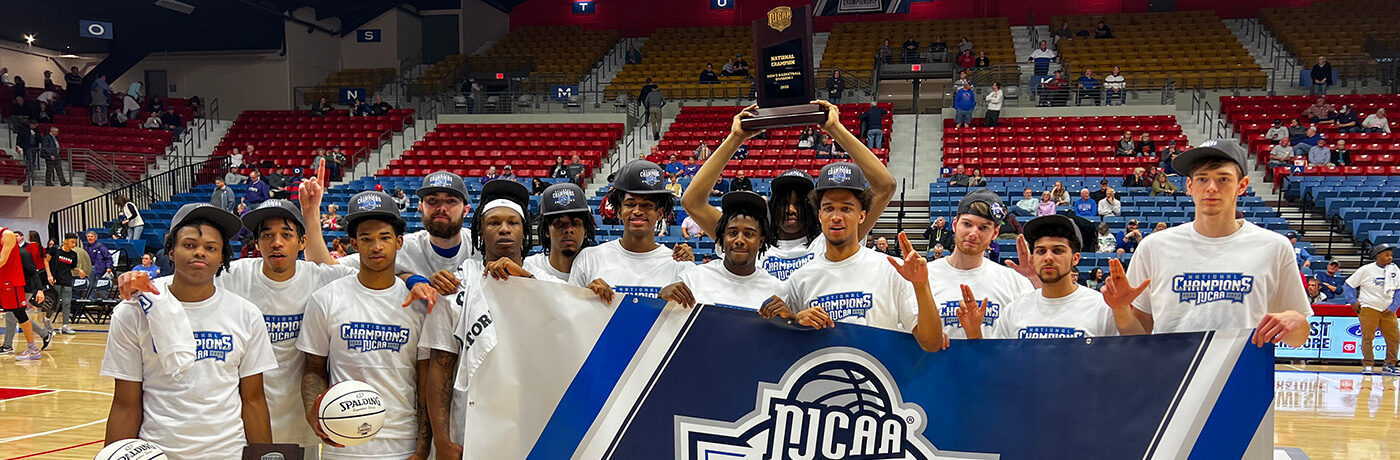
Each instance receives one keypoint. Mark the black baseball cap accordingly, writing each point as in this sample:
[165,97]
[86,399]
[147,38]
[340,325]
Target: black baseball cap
[640,177]
[1051,224]
[982,195]
[372,204]
[792,179]
[1292,235]
[1221,149]
[505,189]
[744,201]
[562,198]
[275,207]
[227,223]
[841,175]
[443,181]
[1379,248]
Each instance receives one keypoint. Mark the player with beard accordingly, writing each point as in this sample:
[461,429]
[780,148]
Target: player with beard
[635,263]
[565,228]
[798,232]
[853,284]
[744,233]
[979,218]
[1061,308]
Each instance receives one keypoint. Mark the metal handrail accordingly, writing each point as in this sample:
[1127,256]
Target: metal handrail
[99,210]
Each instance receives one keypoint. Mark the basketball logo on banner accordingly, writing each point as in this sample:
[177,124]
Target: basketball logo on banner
[780,18]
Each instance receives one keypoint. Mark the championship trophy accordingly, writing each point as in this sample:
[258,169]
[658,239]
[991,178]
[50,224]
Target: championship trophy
[783,46]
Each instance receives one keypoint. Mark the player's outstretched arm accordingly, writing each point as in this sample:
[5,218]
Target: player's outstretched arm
[310,195]
[696,198]
[425,427]
[1118,293]
[882,183]
[124,419]
[257,424]
[442,367]
[314,382]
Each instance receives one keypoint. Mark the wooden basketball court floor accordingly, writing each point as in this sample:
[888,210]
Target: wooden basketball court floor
[56,408]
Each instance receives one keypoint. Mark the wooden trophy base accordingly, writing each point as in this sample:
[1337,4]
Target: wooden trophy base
[781,117]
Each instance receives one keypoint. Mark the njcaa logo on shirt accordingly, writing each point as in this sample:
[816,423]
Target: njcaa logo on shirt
[1049,332]
[949,311]
[367,337]
[1204,288]
[782,268]
[639,291]
[212,345]
[844,305]
[835,403]
[282,327]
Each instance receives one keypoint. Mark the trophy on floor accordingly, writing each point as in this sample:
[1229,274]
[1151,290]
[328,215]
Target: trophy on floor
[783,46]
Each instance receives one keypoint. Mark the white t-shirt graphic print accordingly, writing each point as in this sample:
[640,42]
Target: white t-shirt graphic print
[713,284]
[990,281]
[231,343]
[1201,283]
[1082,313]
[638,273]
[863,289]
[789,255]
[1370,284]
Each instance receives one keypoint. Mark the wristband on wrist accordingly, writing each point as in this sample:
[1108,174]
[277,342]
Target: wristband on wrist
[416,280]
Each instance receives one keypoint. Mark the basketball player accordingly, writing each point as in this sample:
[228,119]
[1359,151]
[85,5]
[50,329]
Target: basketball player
[854,284]
[12,293]
[566,227]
[979,219]
[498,228]
[798,231]
[216,406]
[743,232]
[635,263]
[1374,299]
[1061,308]
[355,328]
[1219,272]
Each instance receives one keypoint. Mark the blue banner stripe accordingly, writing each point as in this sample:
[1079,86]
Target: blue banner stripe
[597,378]
[1240,407]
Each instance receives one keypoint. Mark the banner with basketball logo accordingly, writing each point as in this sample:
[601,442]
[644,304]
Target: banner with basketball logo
[570,377]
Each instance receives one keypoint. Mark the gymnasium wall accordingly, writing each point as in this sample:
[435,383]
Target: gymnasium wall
[401,38]
[32,67]
[482,23]
[241,81]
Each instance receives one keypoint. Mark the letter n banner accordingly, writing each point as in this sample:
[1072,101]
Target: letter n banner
[571,377]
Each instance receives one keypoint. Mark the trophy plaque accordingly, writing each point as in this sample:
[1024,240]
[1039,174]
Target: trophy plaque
[783,47]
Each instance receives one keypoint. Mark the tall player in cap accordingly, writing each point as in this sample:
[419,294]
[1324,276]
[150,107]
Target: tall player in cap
[1061,308]
[635,264]
[1372,294]
[853,284]
[215,406]
[975,228]
[355,328]
[565,228]
[798,231]
[743,232]
[1219,272]
[500,234]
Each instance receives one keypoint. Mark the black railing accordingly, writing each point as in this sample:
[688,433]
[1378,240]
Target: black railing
[98,211]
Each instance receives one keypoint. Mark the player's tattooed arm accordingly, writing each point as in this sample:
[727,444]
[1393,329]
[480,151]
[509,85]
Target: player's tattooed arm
[438,388]
[314,382]
[425,428]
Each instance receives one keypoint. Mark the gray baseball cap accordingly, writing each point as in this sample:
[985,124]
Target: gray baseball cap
[841,175]
[1221,149]
[227,223]
[640,177]
[275,207]
[372,204]
[562,199]
[1379,248]
[443,181]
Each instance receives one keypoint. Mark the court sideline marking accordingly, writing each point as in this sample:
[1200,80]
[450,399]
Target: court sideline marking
[59,430]
[61,449]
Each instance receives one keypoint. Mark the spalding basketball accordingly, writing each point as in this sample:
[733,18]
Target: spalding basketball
[351,413]
[130,449]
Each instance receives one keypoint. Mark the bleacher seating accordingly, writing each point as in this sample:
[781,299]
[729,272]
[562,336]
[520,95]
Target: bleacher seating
[11,169]
[559,54]
[1363,205]
[1371,153]
[1154,47]
[1336,29]
[469,149]
[674,57]
[289,138]
[1055,146]
[852,45]
[132,149]
[371,80]
[767,157]
[441,74]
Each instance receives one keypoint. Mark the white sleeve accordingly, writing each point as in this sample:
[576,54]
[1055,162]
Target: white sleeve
[122,359]
[908,303]
[257,356]
[1355,279]
[1289,295]
[582,272]
[1003,329]
[352,261]
[328,273]
[315,337]
[438,327]
[1107,326]
[1138,270]
[788,292]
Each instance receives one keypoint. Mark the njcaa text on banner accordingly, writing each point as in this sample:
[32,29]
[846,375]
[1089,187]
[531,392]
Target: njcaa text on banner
[570,377]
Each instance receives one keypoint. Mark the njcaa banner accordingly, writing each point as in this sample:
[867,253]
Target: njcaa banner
[570,377]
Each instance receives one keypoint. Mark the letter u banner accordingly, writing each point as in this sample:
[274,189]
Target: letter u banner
[572,378]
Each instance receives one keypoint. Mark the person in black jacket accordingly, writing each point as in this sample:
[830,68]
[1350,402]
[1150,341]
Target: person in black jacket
[740,182]
[835,87]
[1321,76]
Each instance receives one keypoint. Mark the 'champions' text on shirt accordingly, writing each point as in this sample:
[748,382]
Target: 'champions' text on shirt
[1204,288]
[367,337]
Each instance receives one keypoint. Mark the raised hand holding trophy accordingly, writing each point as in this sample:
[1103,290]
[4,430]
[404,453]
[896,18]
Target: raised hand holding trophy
[783,46]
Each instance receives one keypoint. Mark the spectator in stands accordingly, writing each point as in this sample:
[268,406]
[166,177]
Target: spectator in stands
[130,217]
[71,82]
[1145,147]
[19,86]
[507,173]
[157,105]
[331,220]
[131,107]
[872,123]
[258,190]
[49,150]
[741,67]
[575,170]
[1126,146]
[1059,194]
[1296,130]
[277,184]
[804,139]
[1089,87]
[558,171]
[1128,238]
[691,229]
[995,99]
[1309,140]
[20,111]
[727,70]
[148,265]
[1345,120]
[1332,280]
[1315,294]
[1137,178]
[977,180]
[1047,205]
[380,108]
[152,121]
[359,108]
[5,77]
[1277,132]
[965,45]
[1162,186]
[1064,33]
[982,61]
[936,252]
[1102,192]
[708,75]
[222,196]
[1376,123]
[172,122]
[1056,90]
[938,233]
[1321,76]
[101,264]
[1042,57]
[964,102]
[634,55]
[962,79]
[1107,242]
[1103,31]
[741,182]
[1110,205]
[27,141]
[491,174]
[1095,280]
[321,108]
[1115,87]
[1320,155]
[959,177]
[674,166]
[673,183]
[101,95]
[835,87]
[884,51]
[1028,204]
[937,50]
[1280,156]
[1341,155]
[966,60]
[1319,111]
[654,100]
[911,49]
[1300,252]
[1085,206]
[883,246]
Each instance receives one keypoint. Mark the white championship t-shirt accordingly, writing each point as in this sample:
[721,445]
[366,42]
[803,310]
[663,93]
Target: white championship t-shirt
[418,256]
[444,334]
[1369,282]
[200,416]
[282,304]
[642,274]
[367,335]
[990,281]
[863,289]
[1082,313]
[1231,282]
[713,284]
[789,255]
[539,266]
